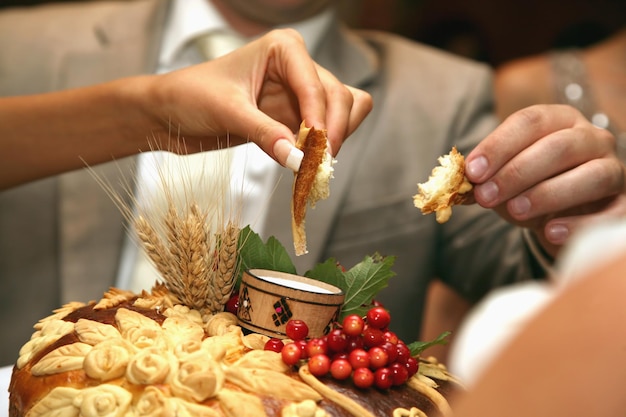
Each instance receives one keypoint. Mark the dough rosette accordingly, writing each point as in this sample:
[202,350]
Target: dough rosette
[149,366]
[103,401]
[198,378]
[153,403]
[184,349]
[107,360]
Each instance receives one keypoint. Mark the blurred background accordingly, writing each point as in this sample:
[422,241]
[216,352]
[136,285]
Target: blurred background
[493,31]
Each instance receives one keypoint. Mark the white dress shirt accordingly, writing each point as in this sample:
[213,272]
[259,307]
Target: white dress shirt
[253,174]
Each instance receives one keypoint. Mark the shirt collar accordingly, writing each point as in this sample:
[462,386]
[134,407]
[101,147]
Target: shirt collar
[186,20]
[313,28]
[189,18]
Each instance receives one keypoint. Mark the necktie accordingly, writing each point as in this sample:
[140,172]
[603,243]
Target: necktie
[203,176]
[218,43]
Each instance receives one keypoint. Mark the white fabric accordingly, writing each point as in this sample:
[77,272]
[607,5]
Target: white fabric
[218,43]
[501,315]
[253,174]
[5,379]
[491,325]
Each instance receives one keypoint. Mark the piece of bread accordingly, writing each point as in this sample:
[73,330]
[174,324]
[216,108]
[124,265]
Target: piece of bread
[446,186]
[311,182]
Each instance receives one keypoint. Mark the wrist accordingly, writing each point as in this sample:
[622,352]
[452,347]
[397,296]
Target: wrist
[137,104]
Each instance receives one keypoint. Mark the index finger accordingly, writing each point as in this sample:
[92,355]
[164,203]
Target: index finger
[299,71]
[346,107]
[519,131]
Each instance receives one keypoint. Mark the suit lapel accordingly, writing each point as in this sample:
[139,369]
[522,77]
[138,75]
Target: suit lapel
[354,63]
[128,44]
[91,227]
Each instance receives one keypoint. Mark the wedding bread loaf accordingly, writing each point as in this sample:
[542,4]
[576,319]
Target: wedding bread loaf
[146,355]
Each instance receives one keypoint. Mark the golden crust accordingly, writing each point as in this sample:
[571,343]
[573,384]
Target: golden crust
[313,143]
[446,186]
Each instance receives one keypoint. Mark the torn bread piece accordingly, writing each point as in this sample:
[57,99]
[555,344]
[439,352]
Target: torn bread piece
[311,182]
[446,186]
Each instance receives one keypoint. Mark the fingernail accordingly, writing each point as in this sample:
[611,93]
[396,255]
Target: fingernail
[488,192]
[557,233]
[477,167]
[285,151]
[519,206]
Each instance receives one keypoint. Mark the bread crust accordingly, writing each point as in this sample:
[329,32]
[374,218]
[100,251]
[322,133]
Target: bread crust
[446,187]
[314,143]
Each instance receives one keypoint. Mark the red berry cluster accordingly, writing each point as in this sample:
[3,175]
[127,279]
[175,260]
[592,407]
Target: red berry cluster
[363,349]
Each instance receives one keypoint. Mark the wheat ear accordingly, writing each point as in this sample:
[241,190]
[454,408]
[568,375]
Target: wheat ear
[226,271]
[154,247]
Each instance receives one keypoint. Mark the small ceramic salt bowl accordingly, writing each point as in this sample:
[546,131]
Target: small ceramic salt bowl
[269,299]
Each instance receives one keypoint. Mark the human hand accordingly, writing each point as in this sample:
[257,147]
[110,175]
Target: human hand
[261,93]
[548,168]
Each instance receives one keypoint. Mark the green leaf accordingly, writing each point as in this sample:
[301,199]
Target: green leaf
[418,347]
[277,257]
[328,272]
[360,284]
[364,281]
[254,253]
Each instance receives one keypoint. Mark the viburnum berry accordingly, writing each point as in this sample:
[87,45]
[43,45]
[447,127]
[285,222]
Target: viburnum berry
[291,354]
[363,377]
[275,345]
[316,346]
[392,351]
[354,342]
[296,329]
[340,355]
[403,352]
[232,305]
[412,365]
[378,357]
[378,317]
[319,364]
[376,303]
[340,369]
[353,325]
[336,340]
[399,373]
[390,337]
[383,378]
[373,337]
[302,345]
[359,358]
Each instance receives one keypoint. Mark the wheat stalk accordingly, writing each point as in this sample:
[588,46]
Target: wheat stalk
[225,268]
[155,249]
[227,264]
[192,245]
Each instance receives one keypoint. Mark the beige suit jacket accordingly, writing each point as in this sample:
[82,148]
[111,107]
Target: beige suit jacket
[60,238]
